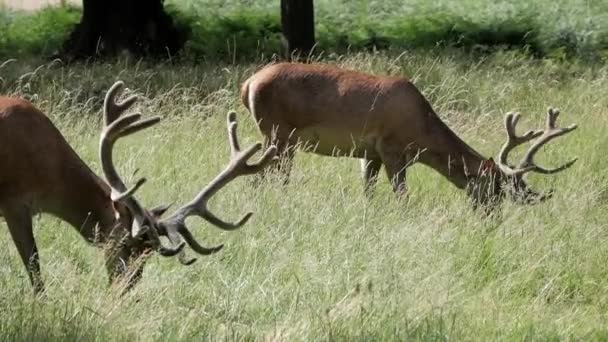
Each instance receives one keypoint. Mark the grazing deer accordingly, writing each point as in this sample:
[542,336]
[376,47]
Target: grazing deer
[42,173]
[383,121]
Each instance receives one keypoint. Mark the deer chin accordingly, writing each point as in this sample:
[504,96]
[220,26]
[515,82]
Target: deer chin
[125,263]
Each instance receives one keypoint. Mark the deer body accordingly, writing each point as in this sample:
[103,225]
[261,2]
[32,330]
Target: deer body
[35,174]
[381,120]
[41,173]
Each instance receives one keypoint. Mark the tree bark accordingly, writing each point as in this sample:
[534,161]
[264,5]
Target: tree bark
[298,24]
[108,27]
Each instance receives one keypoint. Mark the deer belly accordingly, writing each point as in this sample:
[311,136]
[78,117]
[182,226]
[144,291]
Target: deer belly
[333,142]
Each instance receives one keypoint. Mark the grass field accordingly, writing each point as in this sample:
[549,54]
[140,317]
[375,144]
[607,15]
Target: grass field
[319,261]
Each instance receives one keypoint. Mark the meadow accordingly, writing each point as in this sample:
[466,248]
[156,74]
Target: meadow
[318,260]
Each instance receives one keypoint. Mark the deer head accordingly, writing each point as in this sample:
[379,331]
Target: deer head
[498,179]
[146,225]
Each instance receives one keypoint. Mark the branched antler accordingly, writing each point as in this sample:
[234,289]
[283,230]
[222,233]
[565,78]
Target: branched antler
[237,166]
[117,128]
[551,132]
[513,140]
[147,222]
[112,108]
[527,164]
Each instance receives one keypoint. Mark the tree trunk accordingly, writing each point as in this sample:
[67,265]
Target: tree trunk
[298,24]
[108,27]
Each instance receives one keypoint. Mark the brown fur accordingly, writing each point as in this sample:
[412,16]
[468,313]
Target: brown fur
[42,173]
[382,120]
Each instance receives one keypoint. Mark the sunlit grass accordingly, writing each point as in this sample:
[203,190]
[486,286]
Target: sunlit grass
[319,261]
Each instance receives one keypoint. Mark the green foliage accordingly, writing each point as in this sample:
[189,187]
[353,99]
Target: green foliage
[230,36]
[38,34]
[244,29]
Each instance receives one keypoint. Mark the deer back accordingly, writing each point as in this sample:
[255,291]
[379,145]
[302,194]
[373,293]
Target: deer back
[302,95]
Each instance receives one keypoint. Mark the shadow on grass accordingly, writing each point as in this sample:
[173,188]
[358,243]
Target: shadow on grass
[248,33]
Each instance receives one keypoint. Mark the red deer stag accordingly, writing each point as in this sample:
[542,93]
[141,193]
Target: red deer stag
[383,121]
[42,173]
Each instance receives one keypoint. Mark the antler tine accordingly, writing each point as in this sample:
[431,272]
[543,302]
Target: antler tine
[129,192]
[113,109]
[174,229]
[238,166]
[511,120]
[176,239]
[121,127]
[117,128]
[185,233]
[235,147]
[551,132]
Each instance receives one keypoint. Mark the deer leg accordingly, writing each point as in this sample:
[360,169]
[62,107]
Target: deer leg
[257,179]
[395,164]
[396,174]
[281,137]
[285,151]
[370,169]
[19,221]
[286,154]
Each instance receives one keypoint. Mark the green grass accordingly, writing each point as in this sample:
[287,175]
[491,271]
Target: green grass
[246,29]
[319,261]
[38,33]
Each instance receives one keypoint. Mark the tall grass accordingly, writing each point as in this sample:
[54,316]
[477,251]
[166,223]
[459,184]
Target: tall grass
[319,261]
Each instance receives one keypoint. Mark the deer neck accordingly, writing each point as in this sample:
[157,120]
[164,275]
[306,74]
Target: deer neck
[451,156]
[86,204]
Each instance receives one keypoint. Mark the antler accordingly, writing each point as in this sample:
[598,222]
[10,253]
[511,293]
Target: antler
[237,166]
[117,128]
[113,109]
[513,140]
[527,164]
[551,132]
